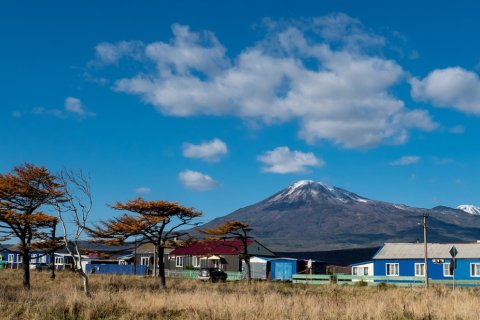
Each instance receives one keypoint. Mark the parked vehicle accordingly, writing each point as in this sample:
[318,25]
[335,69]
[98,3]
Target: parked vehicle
[39,266]
[212,274]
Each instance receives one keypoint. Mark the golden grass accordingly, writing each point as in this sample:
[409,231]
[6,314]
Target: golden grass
[129,297]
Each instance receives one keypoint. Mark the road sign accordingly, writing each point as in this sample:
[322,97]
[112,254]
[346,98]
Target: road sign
[453,252]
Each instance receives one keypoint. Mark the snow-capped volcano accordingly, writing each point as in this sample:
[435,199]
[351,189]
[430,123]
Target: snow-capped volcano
[469,209]
[308,190]
[309,216]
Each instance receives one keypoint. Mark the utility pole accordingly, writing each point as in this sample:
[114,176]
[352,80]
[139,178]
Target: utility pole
[425,217]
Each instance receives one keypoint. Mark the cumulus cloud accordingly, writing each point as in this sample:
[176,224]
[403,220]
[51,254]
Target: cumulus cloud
[197,181]
[282,160]
[329,83]
[210,151]
[406,161]
[453,87]
[143,190]
[72,107]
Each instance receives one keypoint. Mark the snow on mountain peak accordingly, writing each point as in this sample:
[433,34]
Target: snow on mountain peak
[301,183]
[468,208]
[308,188]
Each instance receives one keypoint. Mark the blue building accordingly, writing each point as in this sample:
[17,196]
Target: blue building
[408,259]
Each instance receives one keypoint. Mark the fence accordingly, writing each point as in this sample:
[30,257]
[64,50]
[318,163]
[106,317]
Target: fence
[192,274]
[344,279]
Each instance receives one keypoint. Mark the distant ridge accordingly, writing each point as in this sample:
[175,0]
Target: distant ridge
[314,216]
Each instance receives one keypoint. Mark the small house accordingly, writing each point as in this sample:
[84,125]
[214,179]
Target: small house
[223,254]
[408,259]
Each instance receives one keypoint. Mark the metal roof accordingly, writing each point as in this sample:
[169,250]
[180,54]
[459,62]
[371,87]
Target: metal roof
[435,251]
[212,247]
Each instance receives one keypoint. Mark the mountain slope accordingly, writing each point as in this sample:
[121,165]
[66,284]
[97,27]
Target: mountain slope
[308,216]
[468,208]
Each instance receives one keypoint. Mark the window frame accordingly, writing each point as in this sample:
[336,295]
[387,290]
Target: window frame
[59,261]
[195,262]
[418,264]
[471,269]
[11,258]
[355,271]
[179,261]
[143,259]
[446,267]
[397,269]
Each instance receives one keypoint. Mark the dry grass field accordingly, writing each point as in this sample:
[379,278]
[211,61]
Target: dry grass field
[129,297]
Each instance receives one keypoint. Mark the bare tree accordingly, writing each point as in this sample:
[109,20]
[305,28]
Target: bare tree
[78,204]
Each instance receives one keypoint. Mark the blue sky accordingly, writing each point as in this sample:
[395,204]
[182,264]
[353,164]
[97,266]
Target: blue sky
[219,104]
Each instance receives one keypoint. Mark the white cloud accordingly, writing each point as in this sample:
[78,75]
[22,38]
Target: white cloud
[452,87]
[339,93]
[16,114]
[143,190]
[405,161]
[110,53]
[73,107]
[197,181]
[282,160]
[208,150]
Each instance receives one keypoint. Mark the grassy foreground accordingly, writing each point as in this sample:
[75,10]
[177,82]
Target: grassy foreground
[129,297]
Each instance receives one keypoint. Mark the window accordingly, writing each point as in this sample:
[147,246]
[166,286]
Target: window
[19,258]
[446,270]
[58,260]
[419,269]
[475,269]
[43,258]
[11,258]
[392,269]
[33,258]
[144,261]
[195,262]
[360,271]
[179,261]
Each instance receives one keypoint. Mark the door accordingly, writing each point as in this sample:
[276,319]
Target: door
[283,271]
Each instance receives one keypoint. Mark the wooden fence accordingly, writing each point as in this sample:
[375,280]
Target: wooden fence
[344,279]
[193,274]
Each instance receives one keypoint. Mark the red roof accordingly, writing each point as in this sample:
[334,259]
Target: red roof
[212,247]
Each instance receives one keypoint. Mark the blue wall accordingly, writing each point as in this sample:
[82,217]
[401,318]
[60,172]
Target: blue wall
[5,253]
[435,270]
[115,269]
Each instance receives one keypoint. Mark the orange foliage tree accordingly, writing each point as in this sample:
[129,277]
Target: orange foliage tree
[23,192]
[234,230]
[156,222]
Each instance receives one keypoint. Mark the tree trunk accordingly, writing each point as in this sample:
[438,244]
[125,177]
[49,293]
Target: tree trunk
[247,264]
[52,265]
[161,266]
[86,285]
[52,255]
[26,269]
